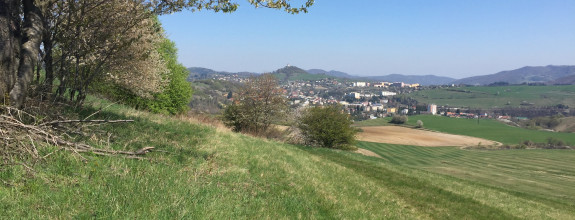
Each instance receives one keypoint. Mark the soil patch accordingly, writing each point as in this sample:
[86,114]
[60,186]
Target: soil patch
[415,137]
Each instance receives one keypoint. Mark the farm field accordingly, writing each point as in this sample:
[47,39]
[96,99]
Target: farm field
[487,97]
[417,137]
[486,128]
[545,174]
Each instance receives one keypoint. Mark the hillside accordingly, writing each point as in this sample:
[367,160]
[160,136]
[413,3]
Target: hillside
[528,74]
[296,73]
[199,73]
[425,80]
[493,97]
[207,172]
[567,80]
[421,79]
[333,73]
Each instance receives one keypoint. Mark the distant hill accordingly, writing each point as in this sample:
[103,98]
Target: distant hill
[333,73]
[296,73]
[528,74]
[424,80]
[421,79]
[567,80]
[197,73]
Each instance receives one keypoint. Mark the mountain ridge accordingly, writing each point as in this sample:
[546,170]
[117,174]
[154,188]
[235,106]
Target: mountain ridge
[549,74]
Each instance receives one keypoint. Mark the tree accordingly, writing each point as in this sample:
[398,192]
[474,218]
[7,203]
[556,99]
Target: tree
[76,31]
[327,126]
[258,103]
[175,95]
[399,119]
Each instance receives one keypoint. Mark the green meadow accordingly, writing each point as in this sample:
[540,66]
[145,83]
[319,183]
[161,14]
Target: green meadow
[207,172]
[482,128]
[487,97]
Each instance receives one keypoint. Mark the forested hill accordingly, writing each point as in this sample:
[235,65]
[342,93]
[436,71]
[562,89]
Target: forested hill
[528,74]
[421,79]
[296,73]
[199,73]
[333,73]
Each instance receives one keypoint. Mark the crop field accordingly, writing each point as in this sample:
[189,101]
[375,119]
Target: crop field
[483,128]
[498,96]
[417,137]
[545,174]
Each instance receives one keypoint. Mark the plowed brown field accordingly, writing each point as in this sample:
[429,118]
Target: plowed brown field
[415,137]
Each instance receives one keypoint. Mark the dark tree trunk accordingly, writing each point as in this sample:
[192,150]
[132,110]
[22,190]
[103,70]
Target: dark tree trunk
[32,33]
[9,46]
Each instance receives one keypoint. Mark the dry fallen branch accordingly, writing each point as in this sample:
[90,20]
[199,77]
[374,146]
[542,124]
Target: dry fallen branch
[84,121]
[15,133]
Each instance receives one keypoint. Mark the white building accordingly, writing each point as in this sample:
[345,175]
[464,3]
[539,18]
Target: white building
[432,108]
[387,93]
[359,84]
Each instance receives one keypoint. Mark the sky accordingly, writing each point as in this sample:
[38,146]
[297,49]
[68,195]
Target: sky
[450,38]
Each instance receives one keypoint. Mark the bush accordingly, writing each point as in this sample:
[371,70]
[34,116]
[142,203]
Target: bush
[419,124]
[259,103]
[329,127]
[399,119]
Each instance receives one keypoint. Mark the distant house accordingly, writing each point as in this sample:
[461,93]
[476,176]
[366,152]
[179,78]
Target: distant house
[388,93]
[432,108]
[404,111]
[359,84]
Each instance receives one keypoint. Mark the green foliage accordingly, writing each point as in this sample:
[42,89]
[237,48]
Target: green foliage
[328,126]
[399,119]
[177,95]
[173,99]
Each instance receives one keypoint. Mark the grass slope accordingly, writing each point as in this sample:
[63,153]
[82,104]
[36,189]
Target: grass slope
[210,173]
[485,128]
[547,174]
[498,96]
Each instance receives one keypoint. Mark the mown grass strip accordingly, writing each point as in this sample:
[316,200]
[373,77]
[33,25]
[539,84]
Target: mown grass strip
[435,201]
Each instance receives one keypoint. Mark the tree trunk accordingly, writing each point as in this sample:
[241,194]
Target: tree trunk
[30,48]
[9,46]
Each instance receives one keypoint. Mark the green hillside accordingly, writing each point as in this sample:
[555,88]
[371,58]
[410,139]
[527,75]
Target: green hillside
[487,97]
[207,172]
[484,128]
[295,73]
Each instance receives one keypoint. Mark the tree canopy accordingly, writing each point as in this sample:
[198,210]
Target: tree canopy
[77,43]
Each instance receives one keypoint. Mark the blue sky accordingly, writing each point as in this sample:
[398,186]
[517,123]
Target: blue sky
[378,37]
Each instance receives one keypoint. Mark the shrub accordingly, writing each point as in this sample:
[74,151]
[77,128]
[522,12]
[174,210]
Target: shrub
[327,126]
[399,119]
[259,103]
[419,124]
